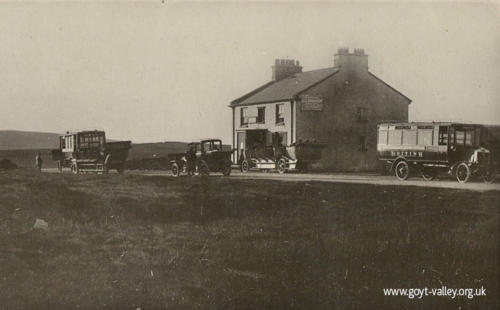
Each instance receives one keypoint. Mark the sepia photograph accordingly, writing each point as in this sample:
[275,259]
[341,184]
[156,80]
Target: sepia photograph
[168,154]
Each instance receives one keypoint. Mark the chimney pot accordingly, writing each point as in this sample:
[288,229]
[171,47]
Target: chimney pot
[284,68]
[357,60]
[343,51]
[359,51]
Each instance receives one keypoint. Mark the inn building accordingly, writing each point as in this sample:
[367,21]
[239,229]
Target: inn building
[340,106]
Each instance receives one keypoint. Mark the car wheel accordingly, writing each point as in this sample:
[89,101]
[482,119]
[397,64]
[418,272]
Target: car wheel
[402,171]
[204,171]
[281,165]
[227,170]
[462,173]
[244,166]
[175,170]
[489,175]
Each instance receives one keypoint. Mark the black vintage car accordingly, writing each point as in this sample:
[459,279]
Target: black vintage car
[428,148]
[209,157]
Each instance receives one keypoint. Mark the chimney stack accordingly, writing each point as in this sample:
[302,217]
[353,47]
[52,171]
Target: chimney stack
[356,60]
[284,68]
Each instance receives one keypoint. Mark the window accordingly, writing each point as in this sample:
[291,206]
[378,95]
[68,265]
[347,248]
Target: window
[362,114]
[469,137]
[460,137]
[443,135]
[261,115]
[425,137]
[216,146]
[280,138]
[362,144]
[207,146]
[280,114]
[382,137]
[409,137]
[243,117]
[395,137]
[68,142]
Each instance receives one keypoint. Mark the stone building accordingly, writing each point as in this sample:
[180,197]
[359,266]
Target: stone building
[339,106]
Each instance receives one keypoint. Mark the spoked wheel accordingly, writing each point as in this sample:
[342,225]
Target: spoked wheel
[462,173]
[402,171]
[227,170]
[204,171]
[175,170]
[428,173]
[244,166]
[281,165]
[490,174]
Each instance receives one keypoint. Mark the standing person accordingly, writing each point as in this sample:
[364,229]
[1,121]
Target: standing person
[38,161]
[191,160]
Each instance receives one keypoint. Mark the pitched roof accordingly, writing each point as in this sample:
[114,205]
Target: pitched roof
[286,88]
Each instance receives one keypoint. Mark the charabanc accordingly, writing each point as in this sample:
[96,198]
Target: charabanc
[298,156]
[88,151]
[208,157]
[430,148]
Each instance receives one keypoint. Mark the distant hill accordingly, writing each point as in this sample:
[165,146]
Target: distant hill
[21,147]
[24,140]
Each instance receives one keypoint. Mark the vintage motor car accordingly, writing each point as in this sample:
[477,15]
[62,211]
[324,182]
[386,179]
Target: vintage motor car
[264,150]
[88,151]
[210,157]
[430,148]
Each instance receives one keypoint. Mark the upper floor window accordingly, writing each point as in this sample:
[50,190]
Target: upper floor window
[244,116]
[280,113]
[261,115]
[362,114]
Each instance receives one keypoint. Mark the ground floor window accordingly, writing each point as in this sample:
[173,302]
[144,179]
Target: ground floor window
[280,138]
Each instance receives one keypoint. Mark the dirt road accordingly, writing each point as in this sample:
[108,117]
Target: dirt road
[443,182]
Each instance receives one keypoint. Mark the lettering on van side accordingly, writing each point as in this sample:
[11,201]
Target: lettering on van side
[407,153]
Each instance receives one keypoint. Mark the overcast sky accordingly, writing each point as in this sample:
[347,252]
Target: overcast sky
[167,71]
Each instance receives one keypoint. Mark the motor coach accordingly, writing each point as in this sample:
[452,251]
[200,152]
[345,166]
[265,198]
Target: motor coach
[88,151]
[430,148]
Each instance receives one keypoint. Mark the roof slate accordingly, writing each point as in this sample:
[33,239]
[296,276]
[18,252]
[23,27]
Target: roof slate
[286,88]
